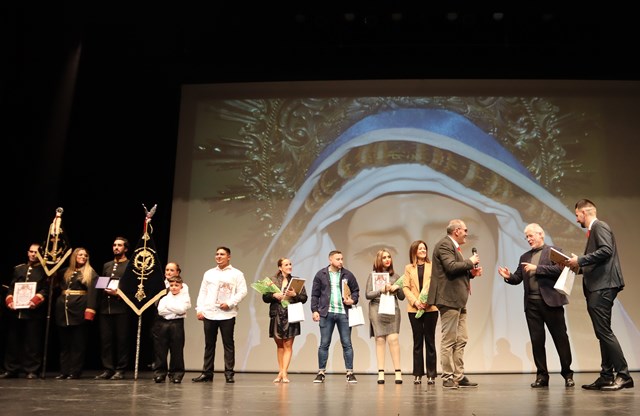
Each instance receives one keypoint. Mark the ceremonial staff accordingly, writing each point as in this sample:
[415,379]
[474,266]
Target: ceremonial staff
[142,276]
[54,253]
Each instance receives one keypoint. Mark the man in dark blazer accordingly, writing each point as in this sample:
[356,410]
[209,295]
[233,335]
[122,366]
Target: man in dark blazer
[542,304]
[601,282]
[449,290]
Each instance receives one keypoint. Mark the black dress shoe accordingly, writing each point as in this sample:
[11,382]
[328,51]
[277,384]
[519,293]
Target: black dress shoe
[540,382]
[598,384]
[8,374]
[466,383]
[230,379]
[118,375]
[618,384]
[31,376]
[159,379]
[176,380]
[73,376]
[61,377]
[105,375]
[569,382]
[202,378]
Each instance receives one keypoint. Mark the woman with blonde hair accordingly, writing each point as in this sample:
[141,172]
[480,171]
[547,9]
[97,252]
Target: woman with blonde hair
[75,306]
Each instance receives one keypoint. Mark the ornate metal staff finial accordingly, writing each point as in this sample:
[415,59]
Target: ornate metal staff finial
[56,250]
[144,257]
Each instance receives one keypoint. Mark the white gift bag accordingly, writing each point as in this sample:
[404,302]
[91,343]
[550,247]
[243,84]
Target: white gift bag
[295,312]
[387,304]
[356,317]
[564,284]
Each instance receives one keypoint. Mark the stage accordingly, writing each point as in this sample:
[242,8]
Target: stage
[255,394]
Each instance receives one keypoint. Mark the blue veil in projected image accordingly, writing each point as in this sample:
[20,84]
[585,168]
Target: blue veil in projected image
[436,152]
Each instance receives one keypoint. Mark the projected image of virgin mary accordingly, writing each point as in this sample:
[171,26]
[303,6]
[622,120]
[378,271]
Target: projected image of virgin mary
[401,175]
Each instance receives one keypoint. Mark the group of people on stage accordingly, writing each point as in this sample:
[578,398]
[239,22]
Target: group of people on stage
[436,286]
[440,287]
[76,301]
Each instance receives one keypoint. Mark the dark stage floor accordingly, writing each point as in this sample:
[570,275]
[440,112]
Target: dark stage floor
[255,394]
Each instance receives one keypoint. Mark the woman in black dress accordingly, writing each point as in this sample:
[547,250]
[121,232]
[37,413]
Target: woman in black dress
[280,329]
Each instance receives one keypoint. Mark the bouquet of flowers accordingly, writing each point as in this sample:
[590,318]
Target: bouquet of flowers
[423,299]
[266,285]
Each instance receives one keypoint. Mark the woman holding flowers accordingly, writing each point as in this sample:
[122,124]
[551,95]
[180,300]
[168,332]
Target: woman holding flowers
[280,329]
[422,316]
[383,281]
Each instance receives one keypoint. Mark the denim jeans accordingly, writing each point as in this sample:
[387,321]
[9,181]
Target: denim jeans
[326,330]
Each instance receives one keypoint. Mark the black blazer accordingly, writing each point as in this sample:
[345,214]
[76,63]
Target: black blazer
[547,274]
[600,266]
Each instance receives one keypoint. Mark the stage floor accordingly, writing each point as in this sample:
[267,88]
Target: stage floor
[255,394]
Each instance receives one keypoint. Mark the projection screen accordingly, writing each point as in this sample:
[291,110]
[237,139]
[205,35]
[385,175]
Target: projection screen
[296,169]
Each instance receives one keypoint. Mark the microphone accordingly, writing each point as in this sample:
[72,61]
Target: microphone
[474,251]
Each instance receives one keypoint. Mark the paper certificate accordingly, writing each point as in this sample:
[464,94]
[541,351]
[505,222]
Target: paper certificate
[380,281]
[225,291]
[23,292]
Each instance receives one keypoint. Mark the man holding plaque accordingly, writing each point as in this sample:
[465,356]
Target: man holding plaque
[25,300]
[335,290]
[221,290]
[601,281]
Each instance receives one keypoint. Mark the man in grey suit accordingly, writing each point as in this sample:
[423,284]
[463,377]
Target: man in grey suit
[601,282]
[450,287]
[543,305]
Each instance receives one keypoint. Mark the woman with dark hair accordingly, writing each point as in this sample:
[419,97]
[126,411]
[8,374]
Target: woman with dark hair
[422,316]
[280,329]
[384,327]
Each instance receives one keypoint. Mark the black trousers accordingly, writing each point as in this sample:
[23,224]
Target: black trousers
[599,305]
[115,332]
[538,314]
[226,328]
[168,338]
[424,334]
[25,345]
[73,346]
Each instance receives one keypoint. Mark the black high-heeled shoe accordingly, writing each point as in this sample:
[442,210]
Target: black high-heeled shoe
[398,377]
[417,380]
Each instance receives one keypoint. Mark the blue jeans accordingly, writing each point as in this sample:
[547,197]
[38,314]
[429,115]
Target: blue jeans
[326,330]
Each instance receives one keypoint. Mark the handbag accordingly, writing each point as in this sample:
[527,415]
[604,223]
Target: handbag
[295,312]
[356,317]
[564,284]
[387,305]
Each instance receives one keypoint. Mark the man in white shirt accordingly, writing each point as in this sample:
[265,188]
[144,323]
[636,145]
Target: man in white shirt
[222,289]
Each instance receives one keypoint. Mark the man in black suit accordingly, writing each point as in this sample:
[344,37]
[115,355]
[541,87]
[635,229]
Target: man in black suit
[542,304]
[449,291]
[601,282]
